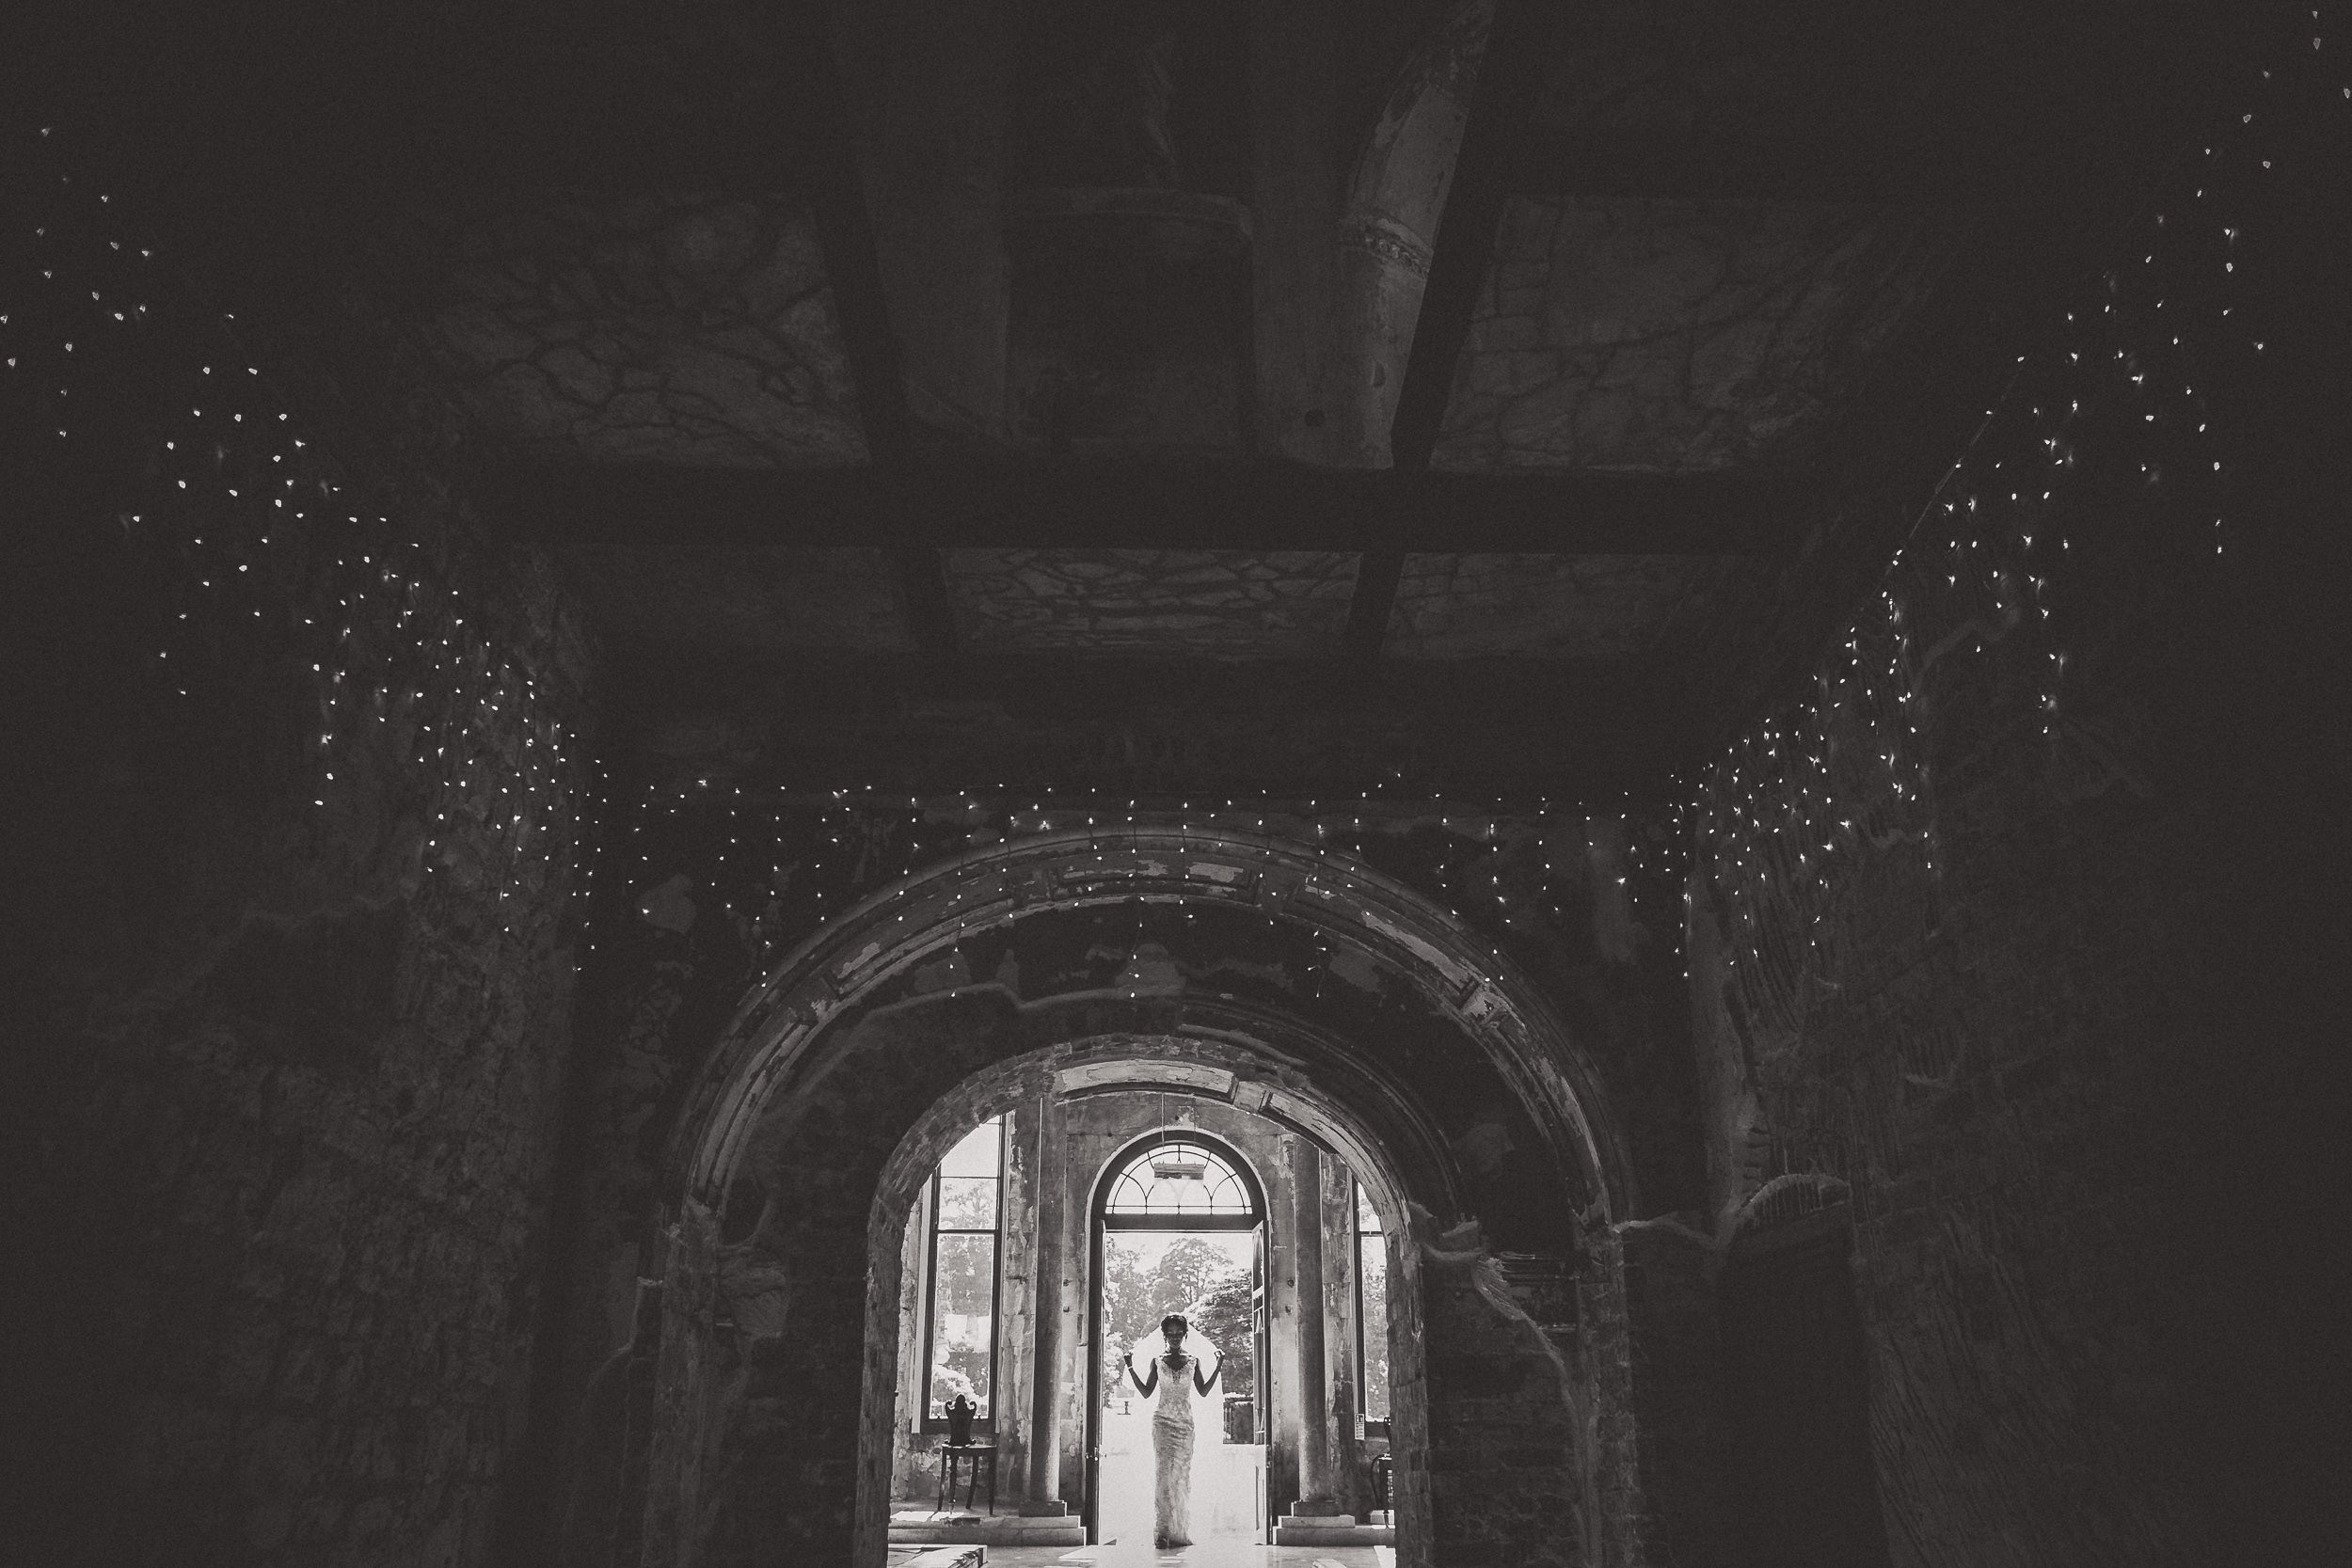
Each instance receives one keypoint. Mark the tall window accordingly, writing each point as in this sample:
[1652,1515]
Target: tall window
[959,1323]
[1372,1318]
[1177,1181]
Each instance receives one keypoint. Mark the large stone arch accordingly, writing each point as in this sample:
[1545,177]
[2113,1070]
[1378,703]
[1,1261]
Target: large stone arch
[1191,1064]
[835,1061]
[1501,1013]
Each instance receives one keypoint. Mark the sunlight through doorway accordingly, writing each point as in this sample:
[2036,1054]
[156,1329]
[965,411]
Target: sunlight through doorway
[1181,1230]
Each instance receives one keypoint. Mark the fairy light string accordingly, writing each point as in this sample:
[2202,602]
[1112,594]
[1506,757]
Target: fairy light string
[1768,831]
[765,863]
[2102,454]
[424,695]
[250,513]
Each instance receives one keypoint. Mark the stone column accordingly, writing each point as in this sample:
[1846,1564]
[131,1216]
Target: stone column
[1294,55]
[929,91]
[1045,1299]
[1316,1489]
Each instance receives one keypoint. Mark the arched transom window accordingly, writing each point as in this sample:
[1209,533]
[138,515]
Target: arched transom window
[1179,1180]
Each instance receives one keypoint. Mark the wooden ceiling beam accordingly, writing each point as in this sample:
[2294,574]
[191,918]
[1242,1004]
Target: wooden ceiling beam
[1559,162]
[1167,726]
[941,504]
[1458,263]
[818,107]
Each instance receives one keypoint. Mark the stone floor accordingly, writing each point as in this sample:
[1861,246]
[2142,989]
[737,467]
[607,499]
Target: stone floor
[1228,1479]
[1223,1552]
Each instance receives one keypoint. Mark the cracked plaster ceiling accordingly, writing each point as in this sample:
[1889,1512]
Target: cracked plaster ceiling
[630,241]
[1672,335]
[676,329]
[1612,336]
[1609,335]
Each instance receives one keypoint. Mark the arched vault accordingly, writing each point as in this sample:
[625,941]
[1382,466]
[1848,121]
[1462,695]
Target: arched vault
[1388,935]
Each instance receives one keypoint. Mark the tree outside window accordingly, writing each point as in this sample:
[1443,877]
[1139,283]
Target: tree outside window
[959,1326]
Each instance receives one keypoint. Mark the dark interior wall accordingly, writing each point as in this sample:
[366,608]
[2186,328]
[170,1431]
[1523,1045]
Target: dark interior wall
[290,1032]
[1670,1487]
[1802,1490]
[1512,1459]
[2072,1069]
[304,770]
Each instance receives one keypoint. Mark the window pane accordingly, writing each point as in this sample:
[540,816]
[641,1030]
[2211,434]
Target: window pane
[968,1203]
[977,1155]
[963,1292]
[1371,1255]
[1367,1221]
[1179,1179]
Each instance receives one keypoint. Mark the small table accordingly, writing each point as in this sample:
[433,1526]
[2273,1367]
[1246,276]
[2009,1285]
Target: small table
[970,1454]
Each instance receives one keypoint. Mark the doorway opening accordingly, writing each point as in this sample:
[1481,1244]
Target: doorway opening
[1179,1227]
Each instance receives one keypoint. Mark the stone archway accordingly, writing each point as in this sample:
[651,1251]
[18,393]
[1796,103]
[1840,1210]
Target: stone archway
[1220,1069]
[896,929]
[1451,1076]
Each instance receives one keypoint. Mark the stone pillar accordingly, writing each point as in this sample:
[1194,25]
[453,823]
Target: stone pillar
[1316,1489]
[1045,1307]
[1294,69]
[930,91]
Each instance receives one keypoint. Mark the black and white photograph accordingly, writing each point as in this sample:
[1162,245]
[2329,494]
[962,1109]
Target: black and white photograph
[1176,784]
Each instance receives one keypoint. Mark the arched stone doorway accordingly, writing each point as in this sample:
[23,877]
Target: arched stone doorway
[1411,1046]
[1215,1089]
[1134,1204]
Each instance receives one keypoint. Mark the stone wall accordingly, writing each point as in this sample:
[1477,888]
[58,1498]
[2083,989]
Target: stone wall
[283,1087]
[2057,1033]
[1682,1453]
[1505,1473]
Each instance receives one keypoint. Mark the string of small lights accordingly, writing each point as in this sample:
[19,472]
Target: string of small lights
[772,861]
[1794,804]
[245,505]
[270,553]
[2113,427]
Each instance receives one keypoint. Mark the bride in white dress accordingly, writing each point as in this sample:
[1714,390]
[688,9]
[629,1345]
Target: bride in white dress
[1172,1428]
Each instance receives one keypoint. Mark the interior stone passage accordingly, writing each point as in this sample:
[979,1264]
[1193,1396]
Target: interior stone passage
[1407,784]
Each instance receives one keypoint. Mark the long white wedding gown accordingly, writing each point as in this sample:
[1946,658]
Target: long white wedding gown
[1171,1454]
